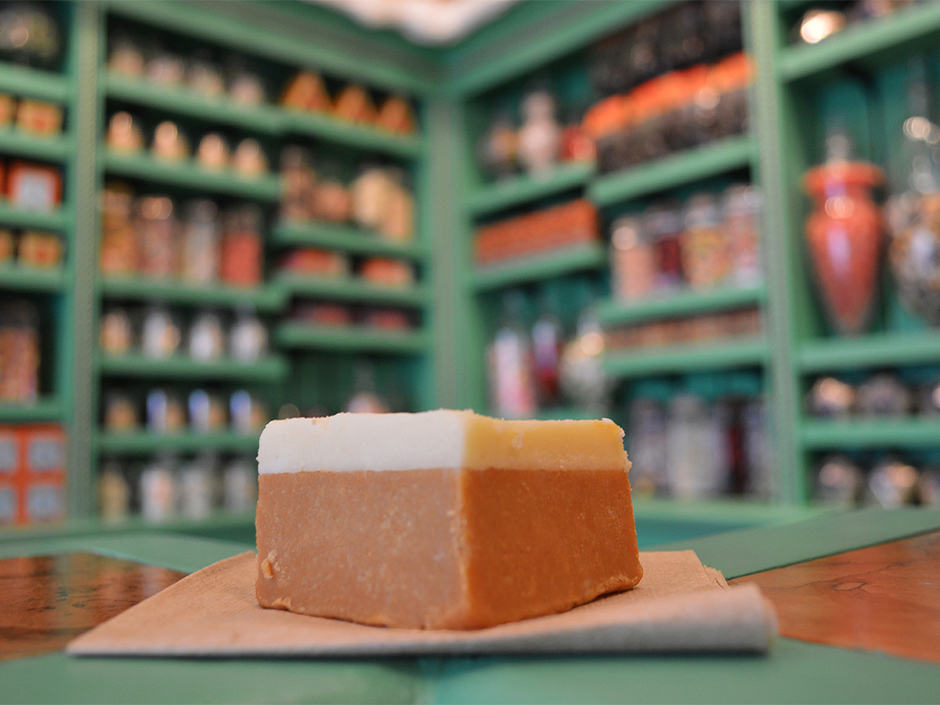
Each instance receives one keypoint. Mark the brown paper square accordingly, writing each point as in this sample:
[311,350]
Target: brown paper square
[680,605]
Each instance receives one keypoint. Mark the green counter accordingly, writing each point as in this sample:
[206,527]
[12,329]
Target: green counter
[794,671]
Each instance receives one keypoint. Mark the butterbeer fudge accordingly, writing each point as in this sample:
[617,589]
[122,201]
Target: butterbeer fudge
[442,519]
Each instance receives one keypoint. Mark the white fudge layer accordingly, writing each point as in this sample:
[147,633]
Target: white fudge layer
[351,442]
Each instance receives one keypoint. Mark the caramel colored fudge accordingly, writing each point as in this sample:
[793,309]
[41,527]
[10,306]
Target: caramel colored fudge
[443,519]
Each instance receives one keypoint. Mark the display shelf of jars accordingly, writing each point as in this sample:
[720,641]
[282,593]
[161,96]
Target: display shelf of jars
[881,433]
[265,299]
[22,278]
[43,409]
[345,338]
[188,103]
[546,265]
[612,312]
[345,239]
[908,29]
[23,144]
[675,359]
[146,442]
[524,189]
[35,83]
[674,170]
[885,349]
[58,219]
[325,127]
[268,369]
[189,176]
[348,289]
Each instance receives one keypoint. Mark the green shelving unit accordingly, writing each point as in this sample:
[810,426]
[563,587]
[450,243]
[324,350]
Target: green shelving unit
[22,144]
[354,290]
[686,303]
[180,101]
[891,434]
[188,176]
[673,171]
[263,299]
[349,339]
[727,354]
[19,278]
[887,349]
[35,83]
[344,238]
[136,366]
[58,220]
[145,443]
[44,410]
[539,267]
[525,189]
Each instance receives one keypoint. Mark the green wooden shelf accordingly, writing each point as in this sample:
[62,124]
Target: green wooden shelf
[543,266]
[145,443]
[369,139]
[180,101]
[269,369]
[266,299]
[30,279]
[23,144]
[189,176]
[686,303]
[58,219]
[906,30]
[311,337]
[674,171]
[870,433]
[745,352]
[525,189]
[34,83]
[48,409]
[345,238]
[349,289]
[875,350]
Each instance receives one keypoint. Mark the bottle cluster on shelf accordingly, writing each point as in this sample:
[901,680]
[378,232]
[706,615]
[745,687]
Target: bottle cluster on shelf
[19,352]
[133,56]
[168,410]
[689,446]
[144,236]
[701,244]
[35,35]
[32,474]
[159,333]
[307,92]
[377,200]
[879,396]
[165,487]
[32,249]
[325,264]
[31,186]
[539,232]
[170,144]
[890,482]
[29,116]
[324,314]
[671,113]
[819,23]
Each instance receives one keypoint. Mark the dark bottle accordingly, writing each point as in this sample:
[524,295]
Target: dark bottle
[547,345]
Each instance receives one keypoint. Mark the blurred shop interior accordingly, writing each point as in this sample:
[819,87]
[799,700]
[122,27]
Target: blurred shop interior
[716,223]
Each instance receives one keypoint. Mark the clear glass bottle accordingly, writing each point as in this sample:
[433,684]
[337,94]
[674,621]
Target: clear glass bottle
[547,346]
[509,357]
[633,258]
[158,493]
[158,234]
[201,243]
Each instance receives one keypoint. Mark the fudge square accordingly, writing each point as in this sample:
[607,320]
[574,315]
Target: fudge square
[442,519]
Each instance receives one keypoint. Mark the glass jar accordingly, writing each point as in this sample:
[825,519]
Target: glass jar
[158,493]
[240,485]
[664,224]
[117,333]
[742,209]
[120,243]
[200,261]
[120,411]
[158,234]
[705,252]
[207,413]
[165,412]
[633,258]
[845,236]
[242,256]
[248,339]
[114,492]
[19,352]
[206,337]
[160,335]
[196,484]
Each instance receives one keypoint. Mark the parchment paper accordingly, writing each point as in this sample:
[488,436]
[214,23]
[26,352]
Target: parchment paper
[680,605]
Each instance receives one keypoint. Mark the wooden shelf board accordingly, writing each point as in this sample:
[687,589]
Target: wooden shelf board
[14,217]
[22,144]
[870,433]
[525,189]
[48,409]
[347,338]
[360,137]
[673,171]
[348,289]
[542,266]
[271,368]
[144,443]
[34,83]
[873,350]
[267,298]
[22,278]
[745,352]
[613,313]
[345,238]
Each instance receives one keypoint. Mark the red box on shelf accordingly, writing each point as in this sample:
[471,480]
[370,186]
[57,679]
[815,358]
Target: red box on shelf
[32,474]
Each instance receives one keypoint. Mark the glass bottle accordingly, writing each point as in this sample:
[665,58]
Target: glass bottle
[705,253]
[365,397]
[665,226]
[158,233]
[742,210]
[200,261]
[690,448]
[158,492]
[509,357]
[547,346]
[845,236]
[196,482]
[647,433]
[242,256]
[633,257]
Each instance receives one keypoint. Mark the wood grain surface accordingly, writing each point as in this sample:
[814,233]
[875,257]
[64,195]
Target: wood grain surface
[882,598]
[46,601]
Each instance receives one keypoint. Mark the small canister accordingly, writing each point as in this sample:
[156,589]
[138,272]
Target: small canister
[158,489]
[201,243]
[160,335]
[242,260]
[206,337]
[158,233]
